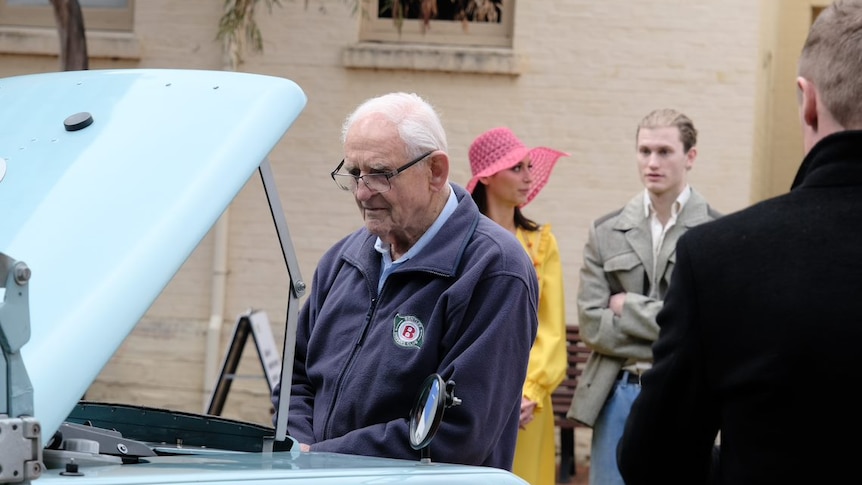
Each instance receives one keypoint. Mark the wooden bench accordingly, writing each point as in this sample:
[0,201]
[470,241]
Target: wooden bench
[562,399]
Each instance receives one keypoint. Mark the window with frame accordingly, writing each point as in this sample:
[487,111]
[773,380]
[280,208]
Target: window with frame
[485,23]
[112,15]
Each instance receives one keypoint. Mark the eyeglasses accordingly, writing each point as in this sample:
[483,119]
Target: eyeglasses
[376,182]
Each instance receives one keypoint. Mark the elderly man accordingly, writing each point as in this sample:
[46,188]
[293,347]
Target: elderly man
[760,330]
[429,285]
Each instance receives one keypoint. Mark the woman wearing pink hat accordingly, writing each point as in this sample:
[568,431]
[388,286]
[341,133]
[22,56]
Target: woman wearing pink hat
[507,176]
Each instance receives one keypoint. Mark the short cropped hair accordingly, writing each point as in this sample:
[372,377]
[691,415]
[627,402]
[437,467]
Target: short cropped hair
[831,59]
[664,118]
[418,122]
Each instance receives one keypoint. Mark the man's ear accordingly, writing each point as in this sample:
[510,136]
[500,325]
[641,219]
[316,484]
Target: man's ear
[690,157]
[808,102]
[439,164]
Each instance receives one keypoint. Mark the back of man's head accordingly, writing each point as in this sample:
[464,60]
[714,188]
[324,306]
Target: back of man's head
[832,60]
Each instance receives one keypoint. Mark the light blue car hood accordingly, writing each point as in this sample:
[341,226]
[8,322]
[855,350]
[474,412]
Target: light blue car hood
[284,467]
[105,215]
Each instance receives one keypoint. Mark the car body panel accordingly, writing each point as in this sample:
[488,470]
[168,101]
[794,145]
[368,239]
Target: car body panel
[105,216]
[282,467]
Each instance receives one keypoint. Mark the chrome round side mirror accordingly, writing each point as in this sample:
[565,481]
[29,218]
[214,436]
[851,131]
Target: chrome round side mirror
[434,397]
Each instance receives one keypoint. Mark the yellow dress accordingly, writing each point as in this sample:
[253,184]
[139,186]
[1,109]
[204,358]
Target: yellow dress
[535,453]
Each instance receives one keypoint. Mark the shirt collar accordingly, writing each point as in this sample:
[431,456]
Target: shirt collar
[681,199]
[448,209]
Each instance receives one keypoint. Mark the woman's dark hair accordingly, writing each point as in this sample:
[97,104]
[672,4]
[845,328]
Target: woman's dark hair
[480,197]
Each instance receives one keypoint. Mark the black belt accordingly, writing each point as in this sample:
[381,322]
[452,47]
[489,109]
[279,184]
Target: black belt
[629,377]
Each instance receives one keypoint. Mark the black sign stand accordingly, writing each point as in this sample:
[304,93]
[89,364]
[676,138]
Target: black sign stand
[256,323]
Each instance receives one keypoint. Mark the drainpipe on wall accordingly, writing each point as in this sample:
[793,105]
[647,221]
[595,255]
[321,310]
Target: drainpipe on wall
[218,292]
[235,26]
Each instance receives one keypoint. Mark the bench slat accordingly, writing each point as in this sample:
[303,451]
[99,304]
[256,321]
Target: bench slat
[561,399]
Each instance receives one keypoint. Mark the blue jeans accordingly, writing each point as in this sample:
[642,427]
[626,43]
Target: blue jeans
[607,432]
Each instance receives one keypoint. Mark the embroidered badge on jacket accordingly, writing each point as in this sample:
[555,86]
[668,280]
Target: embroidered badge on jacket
[407,331]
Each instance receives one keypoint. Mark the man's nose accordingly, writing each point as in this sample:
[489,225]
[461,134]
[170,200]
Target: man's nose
[362,191]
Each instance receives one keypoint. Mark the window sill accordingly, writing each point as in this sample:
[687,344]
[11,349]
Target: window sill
[468,59]
[42,41]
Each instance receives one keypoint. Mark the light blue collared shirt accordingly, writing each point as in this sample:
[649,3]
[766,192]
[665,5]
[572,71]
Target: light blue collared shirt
[387,266]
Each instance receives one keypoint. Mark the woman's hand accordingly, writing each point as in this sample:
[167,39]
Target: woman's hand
[528,410]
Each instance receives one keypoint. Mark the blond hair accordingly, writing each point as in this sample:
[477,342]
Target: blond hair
[831,59]
[664,118]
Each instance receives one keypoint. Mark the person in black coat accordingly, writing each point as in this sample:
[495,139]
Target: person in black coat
[761,331]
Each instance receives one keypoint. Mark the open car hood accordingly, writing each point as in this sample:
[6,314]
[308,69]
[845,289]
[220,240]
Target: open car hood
[108,182]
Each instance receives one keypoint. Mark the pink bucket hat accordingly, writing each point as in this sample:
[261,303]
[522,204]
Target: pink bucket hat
[499,149]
